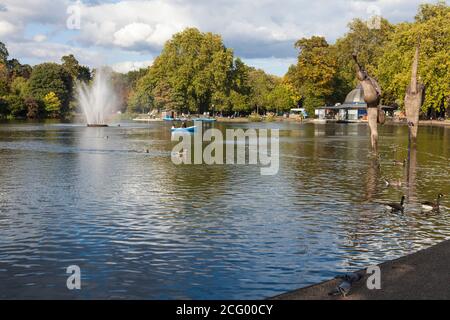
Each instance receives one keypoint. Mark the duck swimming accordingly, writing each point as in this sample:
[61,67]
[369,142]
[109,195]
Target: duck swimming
[396,207]
[432,206]
[394,183]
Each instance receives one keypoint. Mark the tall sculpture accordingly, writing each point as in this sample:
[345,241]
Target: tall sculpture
[372,96]
[413,99]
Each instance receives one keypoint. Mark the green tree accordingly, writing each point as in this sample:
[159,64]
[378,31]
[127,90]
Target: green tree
[51,77]
[3,53]
[16,69]
[314,75]
[241,77]
[19,87]
[121,88]
[368,43]
[73,67]
[52,104]
[166,98]
[432,30]
[196,72]
[16,106]
[4,109]
[134,76]
[4,81]
[193,68]
[142,97]
[34,109]
[241,88]
[84,74]
[261,85]
[282,98]
[238,102]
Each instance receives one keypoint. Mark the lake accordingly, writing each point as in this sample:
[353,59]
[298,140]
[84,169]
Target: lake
[139,226]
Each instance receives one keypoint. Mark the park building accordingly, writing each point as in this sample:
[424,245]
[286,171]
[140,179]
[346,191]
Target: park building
[354,109]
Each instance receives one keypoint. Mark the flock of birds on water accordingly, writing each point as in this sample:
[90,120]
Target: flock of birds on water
[427,206]
[399,207]
[348,280]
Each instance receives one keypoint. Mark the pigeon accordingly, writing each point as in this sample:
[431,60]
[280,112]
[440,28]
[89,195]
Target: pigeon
[346,285]
[350,277]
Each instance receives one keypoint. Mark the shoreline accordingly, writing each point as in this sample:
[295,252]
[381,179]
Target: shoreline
[432,123]
[417,276]
[282,119]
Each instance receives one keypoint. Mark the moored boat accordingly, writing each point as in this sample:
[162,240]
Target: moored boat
[188,129]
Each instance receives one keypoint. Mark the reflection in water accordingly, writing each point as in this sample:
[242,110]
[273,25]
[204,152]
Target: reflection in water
[411,175]
[141,227]
[373,176]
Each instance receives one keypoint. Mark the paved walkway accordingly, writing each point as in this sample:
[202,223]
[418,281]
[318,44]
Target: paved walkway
[422,275]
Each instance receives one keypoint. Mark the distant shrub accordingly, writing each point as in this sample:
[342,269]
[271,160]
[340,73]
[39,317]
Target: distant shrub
[270,117]
[254,117]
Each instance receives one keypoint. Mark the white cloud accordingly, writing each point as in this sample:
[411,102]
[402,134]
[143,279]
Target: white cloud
[132,34]
[6,28]
[255,29]
[125,66]
[21,13]
[276,66]
[137,25]
[102,32]
[163,33]
[40,38]
[35,11]
[36,52]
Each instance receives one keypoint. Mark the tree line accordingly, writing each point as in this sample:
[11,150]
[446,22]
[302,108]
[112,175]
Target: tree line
[196,72]
[325,73]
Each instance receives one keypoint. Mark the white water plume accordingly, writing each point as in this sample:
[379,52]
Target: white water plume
[97,99]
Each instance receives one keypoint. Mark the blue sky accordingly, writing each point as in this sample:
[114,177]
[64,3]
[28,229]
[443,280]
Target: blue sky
[130,34]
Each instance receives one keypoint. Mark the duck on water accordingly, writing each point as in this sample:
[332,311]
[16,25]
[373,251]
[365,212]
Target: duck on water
[427,206]
[396,207]
[432,206]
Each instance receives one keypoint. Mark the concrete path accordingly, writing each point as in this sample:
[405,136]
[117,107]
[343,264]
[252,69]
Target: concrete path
[422,275]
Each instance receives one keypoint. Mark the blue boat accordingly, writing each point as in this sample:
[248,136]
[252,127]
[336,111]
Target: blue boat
[188,129]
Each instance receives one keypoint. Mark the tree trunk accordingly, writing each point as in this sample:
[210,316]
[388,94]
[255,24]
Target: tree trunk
[413,99]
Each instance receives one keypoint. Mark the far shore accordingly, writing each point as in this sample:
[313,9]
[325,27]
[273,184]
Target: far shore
[79,118]
[283,119]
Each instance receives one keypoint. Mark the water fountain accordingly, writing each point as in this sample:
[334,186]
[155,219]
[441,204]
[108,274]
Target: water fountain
[97,99]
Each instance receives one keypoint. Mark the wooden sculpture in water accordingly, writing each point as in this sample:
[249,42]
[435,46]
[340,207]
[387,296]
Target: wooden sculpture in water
[413,99]
[372,96]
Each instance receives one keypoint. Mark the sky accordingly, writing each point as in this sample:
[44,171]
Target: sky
[129,34]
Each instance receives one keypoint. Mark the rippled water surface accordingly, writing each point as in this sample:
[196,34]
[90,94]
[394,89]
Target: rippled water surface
[140,227]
